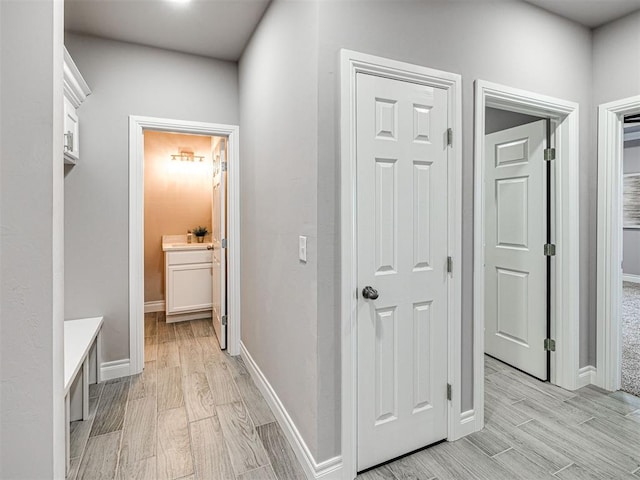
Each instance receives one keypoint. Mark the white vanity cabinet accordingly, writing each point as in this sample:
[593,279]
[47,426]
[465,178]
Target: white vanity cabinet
[75,92]
[188,287]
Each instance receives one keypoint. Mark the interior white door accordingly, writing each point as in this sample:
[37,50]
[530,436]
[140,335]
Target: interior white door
[515,234]
[218,236]
[402,253]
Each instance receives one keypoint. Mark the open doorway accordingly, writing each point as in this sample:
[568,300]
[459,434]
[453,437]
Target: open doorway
[630,310]
[618,325]
[197,170]
[185,230]
[556,249]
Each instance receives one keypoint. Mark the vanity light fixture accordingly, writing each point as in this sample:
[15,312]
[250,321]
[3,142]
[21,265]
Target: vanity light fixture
[187,156]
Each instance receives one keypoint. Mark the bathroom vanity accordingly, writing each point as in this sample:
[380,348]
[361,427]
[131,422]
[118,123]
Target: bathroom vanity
[188,278]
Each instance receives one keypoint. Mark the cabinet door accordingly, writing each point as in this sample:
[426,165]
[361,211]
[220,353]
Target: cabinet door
[188,288]
[71,143]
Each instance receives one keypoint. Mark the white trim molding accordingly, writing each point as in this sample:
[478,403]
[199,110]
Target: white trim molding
[627,277]
[352,63]
[137,126]
[565,306]
[587,376]
[151,307]
[115,369]
[609,256]
[328,469]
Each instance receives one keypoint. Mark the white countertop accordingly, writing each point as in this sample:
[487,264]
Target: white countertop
[172,243]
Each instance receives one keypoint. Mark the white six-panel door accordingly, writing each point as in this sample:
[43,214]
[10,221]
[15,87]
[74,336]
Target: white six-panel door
[515,234]
[218,225]
[402,253]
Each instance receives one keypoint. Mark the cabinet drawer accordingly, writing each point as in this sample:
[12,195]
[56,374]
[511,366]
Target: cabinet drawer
[183,258]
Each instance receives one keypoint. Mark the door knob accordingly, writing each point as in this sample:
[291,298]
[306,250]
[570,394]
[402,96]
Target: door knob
[370,293]
[209,247]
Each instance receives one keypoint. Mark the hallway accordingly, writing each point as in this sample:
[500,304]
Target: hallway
[193,413]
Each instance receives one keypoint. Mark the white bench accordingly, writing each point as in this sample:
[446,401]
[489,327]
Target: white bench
[79,337]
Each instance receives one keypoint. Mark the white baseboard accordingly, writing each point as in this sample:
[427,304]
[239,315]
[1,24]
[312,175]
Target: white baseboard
[330,469]
[586,376]
[115,369]
[467,424]
[150,307]
[627,277]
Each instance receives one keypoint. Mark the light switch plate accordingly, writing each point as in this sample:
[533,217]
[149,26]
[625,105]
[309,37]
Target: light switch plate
[302,248]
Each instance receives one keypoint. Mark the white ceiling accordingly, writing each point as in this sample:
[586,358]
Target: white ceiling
[590,13]
[222,28]
[213,28]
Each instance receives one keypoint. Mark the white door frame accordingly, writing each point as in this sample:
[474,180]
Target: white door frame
[352,63]
[137,126]
[565,306]
[609,294]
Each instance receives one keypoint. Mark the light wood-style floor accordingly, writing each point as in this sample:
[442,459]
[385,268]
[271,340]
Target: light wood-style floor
[534,431]
[195,413]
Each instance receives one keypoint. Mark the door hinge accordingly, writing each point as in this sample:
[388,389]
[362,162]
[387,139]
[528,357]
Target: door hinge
[223,166]
[449,265]
[549,154]
[224,320]
[224,243]
[449,391]
[549,249]
[549,345]
[449,137]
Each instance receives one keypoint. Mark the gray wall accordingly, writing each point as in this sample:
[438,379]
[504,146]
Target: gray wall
[497,120]
[278,113]
[494,41]
[631,236]
[31,241]
[125,80]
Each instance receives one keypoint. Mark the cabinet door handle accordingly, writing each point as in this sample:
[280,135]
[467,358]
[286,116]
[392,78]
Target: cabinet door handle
[68,143]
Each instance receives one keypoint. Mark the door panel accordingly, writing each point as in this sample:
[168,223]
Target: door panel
[402,252]
[218,234]
[515,234]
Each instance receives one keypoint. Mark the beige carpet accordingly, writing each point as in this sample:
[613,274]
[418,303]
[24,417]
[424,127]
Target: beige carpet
[631,338]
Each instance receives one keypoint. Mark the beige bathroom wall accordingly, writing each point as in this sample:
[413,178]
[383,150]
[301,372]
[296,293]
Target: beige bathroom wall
[177,198]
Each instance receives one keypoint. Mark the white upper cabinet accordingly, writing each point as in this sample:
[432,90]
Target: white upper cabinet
[75,91]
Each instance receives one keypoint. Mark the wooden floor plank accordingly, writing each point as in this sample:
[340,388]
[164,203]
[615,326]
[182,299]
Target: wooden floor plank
[100,457]
[258,409]
[184,332]
[166,331]
[243,444]
[191,357]
[197,396]
[281,456]
[80,430]
[144,384]
[174,459]
[263,473]
[210,453]
[202,327]
[150,324]
[223,388]
[141,470]
[111,407]
[139,436]
[168,355]
[170,388]
[380,473]
[520,466]
[409,468]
